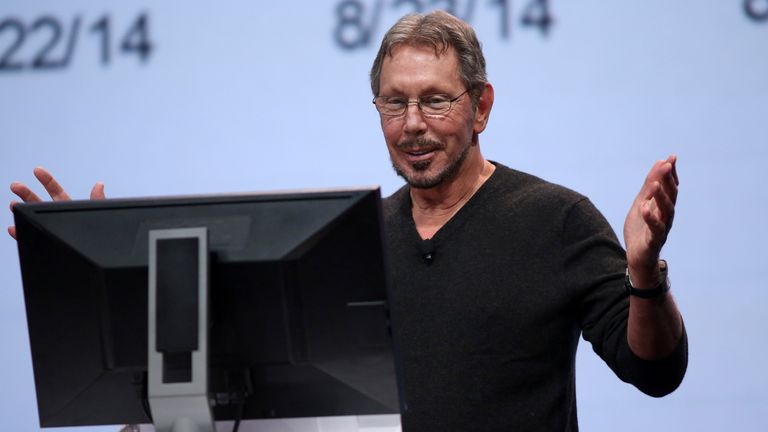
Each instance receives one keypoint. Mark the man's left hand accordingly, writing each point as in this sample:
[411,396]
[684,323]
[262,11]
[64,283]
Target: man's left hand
[649,221]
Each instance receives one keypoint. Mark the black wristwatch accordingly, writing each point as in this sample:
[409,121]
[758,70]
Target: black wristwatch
[649,293]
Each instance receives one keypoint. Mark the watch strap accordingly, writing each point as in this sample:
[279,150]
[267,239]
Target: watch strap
[648,293]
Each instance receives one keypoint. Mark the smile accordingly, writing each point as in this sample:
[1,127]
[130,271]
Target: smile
[419,155]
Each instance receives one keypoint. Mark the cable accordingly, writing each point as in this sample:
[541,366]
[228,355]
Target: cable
[239,415]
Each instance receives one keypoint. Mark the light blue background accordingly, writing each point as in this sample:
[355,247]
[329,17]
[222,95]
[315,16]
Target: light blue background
[249,96]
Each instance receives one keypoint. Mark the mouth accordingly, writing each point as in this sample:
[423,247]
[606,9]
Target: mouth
[419,155]
[420,151]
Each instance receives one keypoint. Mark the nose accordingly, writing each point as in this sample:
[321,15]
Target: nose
[414,119]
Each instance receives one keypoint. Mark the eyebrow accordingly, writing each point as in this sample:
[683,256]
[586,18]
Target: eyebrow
[431,90]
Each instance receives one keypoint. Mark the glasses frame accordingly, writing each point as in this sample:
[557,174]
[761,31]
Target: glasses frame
[418,102]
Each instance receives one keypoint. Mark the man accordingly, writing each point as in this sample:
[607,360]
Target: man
[495,272]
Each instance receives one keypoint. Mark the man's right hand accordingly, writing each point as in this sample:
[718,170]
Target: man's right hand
[51,186]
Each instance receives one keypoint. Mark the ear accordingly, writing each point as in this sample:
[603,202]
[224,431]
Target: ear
[484,106]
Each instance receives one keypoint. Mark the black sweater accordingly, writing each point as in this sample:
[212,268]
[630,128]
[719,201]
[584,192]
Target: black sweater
[488,312]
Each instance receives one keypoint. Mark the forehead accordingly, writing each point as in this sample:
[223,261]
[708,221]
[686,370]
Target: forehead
[416,69]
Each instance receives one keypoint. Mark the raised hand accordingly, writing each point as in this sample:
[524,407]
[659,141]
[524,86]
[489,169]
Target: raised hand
[54,189]
[649,221]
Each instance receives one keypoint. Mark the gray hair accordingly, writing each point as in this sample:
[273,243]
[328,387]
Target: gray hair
[440,31]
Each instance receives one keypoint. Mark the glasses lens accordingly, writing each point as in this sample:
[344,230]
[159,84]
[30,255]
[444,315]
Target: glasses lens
[391,105]
[435,104]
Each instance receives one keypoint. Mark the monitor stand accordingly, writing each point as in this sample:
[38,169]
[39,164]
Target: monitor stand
[178,330]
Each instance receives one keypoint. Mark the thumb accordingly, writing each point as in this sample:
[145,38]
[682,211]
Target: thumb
[97,193]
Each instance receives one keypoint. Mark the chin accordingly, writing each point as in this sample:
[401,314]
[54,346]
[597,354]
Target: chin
[426,175]
[421,177]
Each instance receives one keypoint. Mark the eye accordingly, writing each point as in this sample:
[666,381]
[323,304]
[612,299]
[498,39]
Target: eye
[394,102]
[435,101]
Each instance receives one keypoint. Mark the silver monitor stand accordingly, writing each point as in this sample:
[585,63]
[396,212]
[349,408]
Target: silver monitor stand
[178,349]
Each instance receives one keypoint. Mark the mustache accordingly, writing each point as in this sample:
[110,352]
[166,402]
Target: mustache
[420,143]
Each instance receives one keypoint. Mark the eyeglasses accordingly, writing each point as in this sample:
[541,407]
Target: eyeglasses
[435,105]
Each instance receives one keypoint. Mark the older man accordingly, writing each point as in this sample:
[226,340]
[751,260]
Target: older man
[497,272]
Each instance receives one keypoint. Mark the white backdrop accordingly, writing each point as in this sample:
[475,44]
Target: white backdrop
[187,97]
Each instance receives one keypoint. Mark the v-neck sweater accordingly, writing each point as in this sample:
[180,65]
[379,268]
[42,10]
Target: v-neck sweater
[487,313]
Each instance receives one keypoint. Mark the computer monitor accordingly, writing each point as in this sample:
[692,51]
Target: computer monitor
[298,317]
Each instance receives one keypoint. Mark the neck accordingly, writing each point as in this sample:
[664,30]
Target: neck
[471,175]
[433,207]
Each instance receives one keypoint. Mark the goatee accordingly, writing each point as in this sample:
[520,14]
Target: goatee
[420,179]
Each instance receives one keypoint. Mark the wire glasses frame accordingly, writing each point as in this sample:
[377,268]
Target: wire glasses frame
[432,105]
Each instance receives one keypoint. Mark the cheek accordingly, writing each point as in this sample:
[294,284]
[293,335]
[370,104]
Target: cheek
[391,132]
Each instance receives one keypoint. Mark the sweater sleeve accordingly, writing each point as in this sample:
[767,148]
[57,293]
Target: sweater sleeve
[593,267]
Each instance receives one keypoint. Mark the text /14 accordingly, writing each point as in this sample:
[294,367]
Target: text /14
[357,21]
[50,43]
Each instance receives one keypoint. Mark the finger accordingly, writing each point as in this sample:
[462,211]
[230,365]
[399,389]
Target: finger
[50,184]
[665,207]
[669,185]
[673,160]
[646,192]
[97,193]
[656,227]
[651,203]
[12,229]
[22,191]
[661,174]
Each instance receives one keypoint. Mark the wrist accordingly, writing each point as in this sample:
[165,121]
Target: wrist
[646,276]
[648,286]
